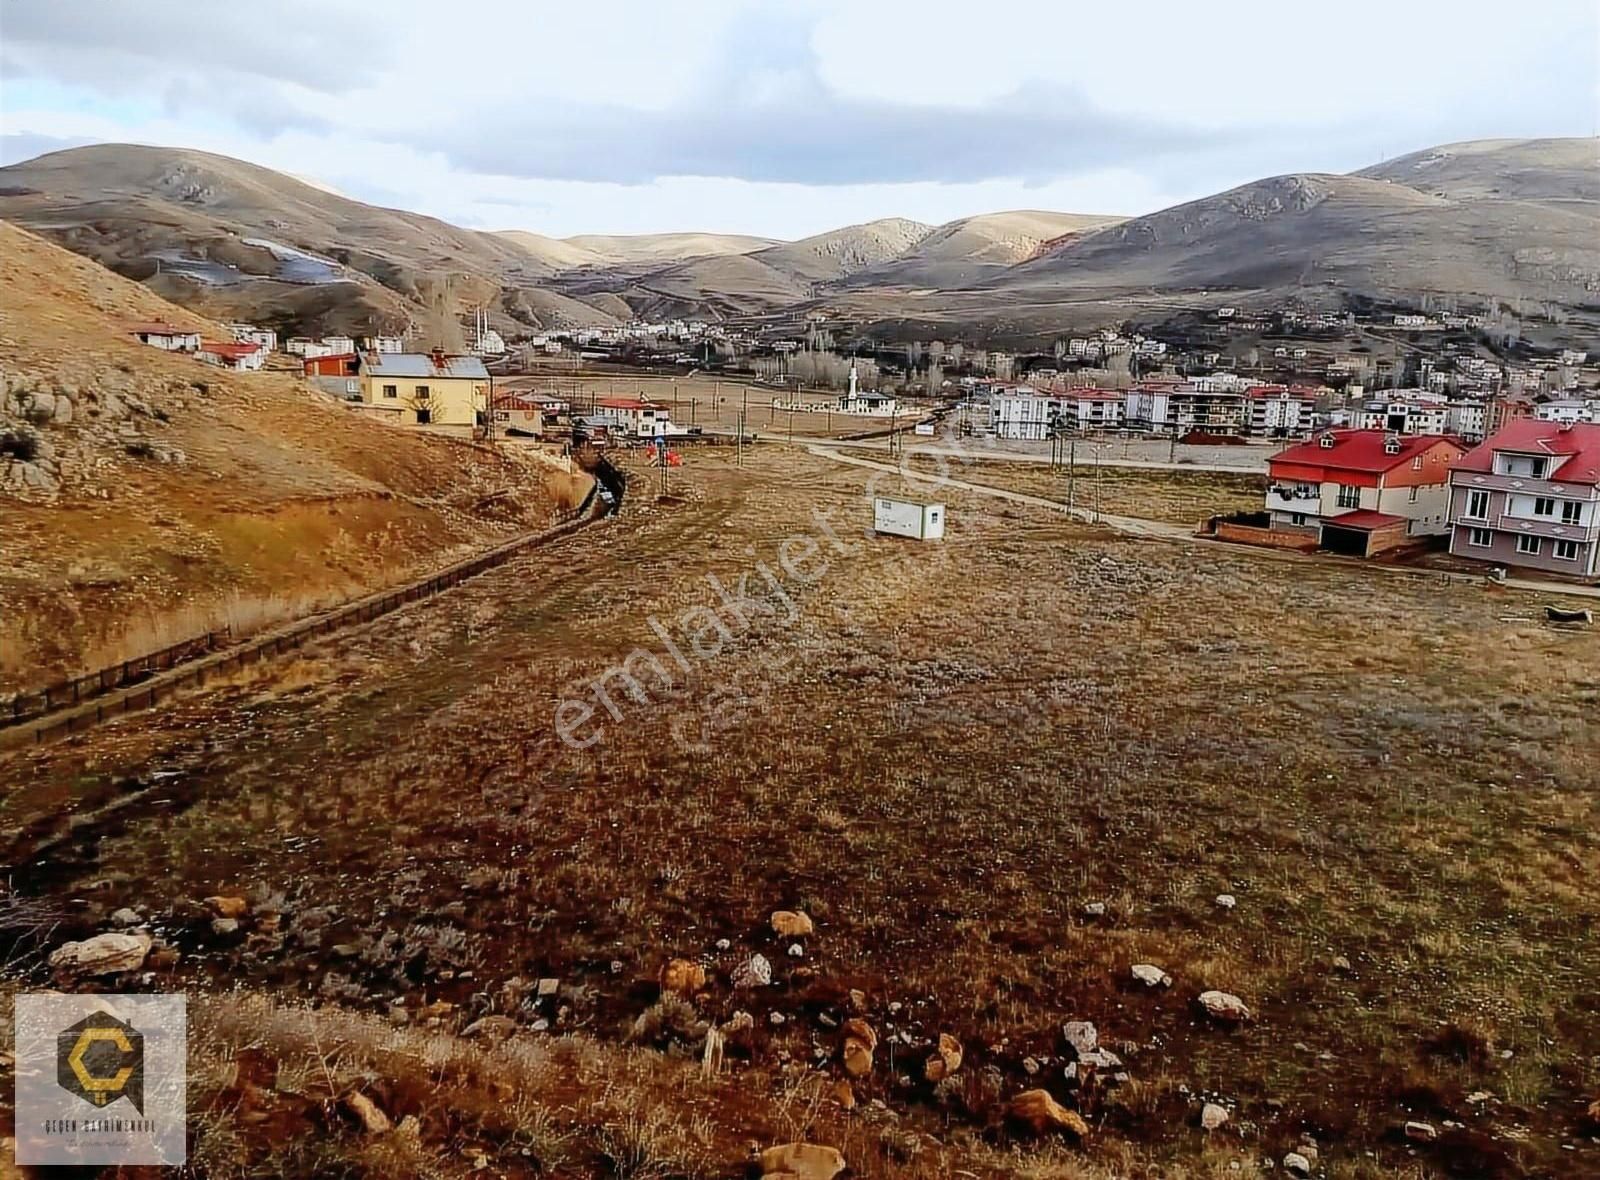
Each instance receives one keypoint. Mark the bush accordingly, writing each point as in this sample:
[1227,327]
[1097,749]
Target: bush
[19,443]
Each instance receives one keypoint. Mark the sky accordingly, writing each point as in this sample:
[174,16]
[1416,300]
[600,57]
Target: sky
[788,117]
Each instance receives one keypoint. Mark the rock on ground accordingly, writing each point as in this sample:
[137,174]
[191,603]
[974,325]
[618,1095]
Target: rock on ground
[1043,1115]
[1224,1006]
[1151,976]
[1213,1115]
[804,1161]
[791,924]
[104,954]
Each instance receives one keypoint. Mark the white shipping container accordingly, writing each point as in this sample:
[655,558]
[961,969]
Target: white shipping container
[908,518]
[925,429]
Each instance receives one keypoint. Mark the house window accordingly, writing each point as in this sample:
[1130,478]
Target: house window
[1478,505]
[391,391]
[1480,538]
[1415,491]
[1566,550]
[1297,518]
[422,393]
[1571,512]
[1544,506]
[1349,496]
[1416,464]
[1528,546]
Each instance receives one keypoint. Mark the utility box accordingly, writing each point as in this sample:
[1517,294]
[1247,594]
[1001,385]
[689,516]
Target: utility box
[908,518]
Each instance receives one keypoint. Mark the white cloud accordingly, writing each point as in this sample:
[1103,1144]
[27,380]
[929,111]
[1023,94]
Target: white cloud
[785,118]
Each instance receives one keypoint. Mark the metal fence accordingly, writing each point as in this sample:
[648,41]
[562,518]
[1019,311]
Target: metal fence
[64,693]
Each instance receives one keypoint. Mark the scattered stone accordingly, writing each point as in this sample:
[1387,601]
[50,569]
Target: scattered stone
[1043,1115]
[1213,1115]
[1224,1006]
[344,950]
[844,1094]
[796,951]
[740,1021]
[802,1161]
[776,1019]
[753,972]
[1478,1097]
[1030,1065]
[1081,1036]
[1227,900]
[372,1120]
[682,976]
[944,1061]
[790,924]
[548,987]
[1095,909]
[224,927]
[491,1028]
[724,944]
[860,1041]
[1296,1164]
[229,907]
[860,1030]
[1151,976]
[1309,1149]
[125,917]
[104,954]
[1421,1132]
[1342,964]
[858,999]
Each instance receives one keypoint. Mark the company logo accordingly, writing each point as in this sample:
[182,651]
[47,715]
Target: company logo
[101,1059]
[101,1079]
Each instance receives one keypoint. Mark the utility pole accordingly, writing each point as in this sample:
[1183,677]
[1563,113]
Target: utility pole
[1072,469]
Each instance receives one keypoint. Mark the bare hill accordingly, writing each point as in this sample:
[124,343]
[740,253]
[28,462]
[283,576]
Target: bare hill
[148,497]
[671,247]
[230,237]
[969,249]
[1500,169]
[842,252]
[1327,236]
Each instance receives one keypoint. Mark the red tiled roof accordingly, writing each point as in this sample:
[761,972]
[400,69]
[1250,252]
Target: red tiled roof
[228,348]
[1361,450]
[1365,519]
[1580,442]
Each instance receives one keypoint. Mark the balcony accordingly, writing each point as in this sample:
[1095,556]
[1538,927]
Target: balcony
[1288,498]
[1538,526]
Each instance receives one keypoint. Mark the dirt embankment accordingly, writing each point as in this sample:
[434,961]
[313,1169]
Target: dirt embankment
[149,497]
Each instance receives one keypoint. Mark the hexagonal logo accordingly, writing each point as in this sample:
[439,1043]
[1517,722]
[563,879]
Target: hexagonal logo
[101,1059]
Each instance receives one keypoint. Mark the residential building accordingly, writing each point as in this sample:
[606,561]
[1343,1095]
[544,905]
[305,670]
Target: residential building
[1467,420]
[1567,409]
[1186,407]
[427,388]
[168,337]
[1529,496]
[635,417]
[384,343]
[1363,491]
[338,344]
[250,334]
[1280,411]
[337,373]
[230,354]
[528,412]
[1023,412]
[1403,416]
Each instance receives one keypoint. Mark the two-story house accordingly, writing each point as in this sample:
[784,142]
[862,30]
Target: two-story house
[427,389]
[1363,491]
[1530,496]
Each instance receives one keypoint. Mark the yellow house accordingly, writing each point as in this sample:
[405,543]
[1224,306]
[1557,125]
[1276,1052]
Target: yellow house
[426,388]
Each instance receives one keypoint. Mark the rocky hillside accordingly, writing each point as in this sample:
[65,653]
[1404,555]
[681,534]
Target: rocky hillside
[149,497]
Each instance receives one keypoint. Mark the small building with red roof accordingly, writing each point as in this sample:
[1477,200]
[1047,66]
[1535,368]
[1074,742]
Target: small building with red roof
[1529,497]
[636,417]
[1363,491]
[230,354]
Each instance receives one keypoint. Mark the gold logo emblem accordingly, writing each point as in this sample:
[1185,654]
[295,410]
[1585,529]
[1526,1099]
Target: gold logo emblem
[101,1059]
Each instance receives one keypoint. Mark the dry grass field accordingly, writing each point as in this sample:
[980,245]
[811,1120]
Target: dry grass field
[996,772]
[1173,496]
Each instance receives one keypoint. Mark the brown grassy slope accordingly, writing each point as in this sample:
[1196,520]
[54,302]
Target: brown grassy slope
[273,498]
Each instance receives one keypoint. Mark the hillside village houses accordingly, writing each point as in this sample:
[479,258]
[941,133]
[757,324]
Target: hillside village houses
[635,417]
[230,354]
[168,337]
[425,389]
[1362,492]
[267,338]
[1529,497]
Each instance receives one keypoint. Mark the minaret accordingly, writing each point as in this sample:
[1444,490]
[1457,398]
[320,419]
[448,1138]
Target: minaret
[852,381]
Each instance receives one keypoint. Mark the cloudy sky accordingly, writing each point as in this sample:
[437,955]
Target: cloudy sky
[786,117]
